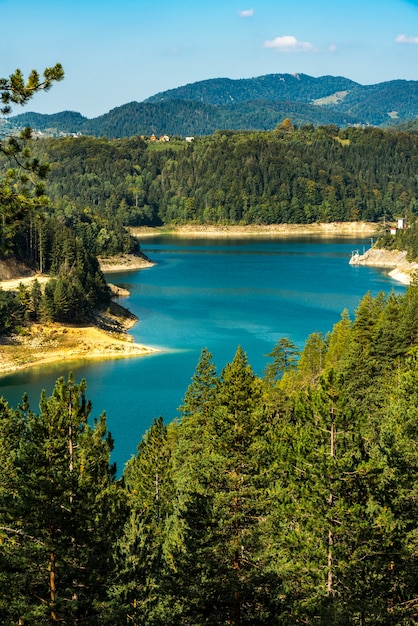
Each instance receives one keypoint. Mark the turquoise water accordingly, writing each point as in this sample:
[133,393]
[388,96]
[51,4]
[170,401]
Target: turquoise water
[216,294]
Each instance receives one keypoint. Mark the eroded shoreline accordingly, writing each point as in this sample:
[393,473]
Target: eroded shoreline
[349,229]
[394,260]
[53,343]
[123,263]
[49,343]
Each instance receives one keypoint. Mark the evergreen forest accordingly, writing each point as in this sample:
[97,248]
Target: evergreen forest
[286,499]
[281,500]
[289,175]
[35,234]
[257,103]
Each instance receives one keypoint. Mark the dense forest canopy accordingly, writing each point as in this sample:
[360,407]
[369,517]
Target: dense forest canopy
[32,231]
[257,103]
[277,500]
[289,175]
[288,499]
[270,88]
[181,118]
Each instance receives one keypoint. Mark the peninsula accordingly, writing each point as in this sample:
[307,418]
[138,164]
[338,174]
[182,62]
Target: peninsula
[108,337]
[52,342]
[395,260]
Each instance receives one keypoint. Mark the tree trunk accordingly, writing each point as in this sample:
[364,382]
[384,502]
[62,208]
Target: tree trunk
[52,585]
[330,581]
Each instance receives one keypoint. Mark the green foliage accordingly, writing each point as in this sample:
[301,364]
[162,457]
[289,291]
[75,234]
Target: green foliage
[12,313]
[268,502]
[44,242]
[59,525]
[184,118]
[65,246]
[285,357]
[284,500]
[75,293]
[21,188]
[15,90]
[200,393]
[300,175]
[259,103]
[142,590]
[273,87]
[404,239]
[220,507]
[292,501]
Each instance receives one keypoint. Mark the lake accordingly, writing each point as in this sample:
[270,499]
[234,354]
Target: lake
[213,293]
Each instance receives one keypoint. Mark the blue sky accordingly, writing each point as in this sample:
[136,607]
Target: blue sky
[117,51]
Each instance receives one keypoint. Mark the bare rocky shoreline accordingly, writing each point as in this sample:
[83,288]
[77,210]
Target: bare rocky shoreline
[50,343]
[124,263]
[395,260]
[42,344]
[342,229]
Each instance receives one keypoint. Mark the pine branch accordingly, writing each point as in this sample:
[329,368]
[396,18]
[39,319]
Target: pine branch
[15,90]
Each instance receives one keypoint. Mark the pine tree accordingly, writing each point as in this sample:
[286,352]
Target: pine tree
[285,356]
[312,359]
[143,590]
[21,189]
[393,449]
[64,511]
[338,341]
[201,391]
[12,534]
[220,504]
[36,299]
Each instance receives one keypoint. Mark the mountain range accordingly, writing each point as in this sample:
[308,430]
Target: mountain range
[260,103]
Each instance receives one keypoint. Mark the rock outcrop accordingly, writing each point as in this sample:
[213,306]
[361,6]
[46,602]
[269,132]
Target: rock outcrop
[395,260]
[11,268]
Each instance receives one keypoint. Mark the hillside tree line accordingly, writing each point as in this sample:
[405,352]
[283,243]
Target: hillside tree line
[289,175]
[283,499]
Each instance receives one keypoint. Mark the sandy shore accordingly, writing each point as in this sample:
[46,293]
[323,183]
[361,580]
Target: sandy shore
[124,263]
[349,229]
[55,343]
[394,260]
[50,343]
[12,284]
[42,344]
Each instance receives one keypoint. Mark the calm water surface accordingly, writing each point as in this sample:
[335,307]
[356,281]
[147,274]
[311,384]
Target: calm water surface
[216,294]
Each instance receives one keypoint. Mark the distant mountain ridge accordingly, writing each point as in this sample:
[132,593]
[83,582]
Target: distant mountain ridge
[259,103]
[272,88]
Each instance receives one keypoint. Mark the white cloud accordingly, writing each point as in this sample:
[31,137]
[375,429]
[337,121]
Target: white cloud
[406,39]
[332,48]
[247,13]
[288,43]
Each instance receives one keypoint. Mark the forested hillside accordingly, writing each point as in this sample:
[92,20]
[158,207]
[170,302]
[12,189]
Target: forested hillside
[282,500]
[183,118]
[271,501]
[35,234]
[270,88]
[66,248]
[259,103]
[378,104]
[289,175]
